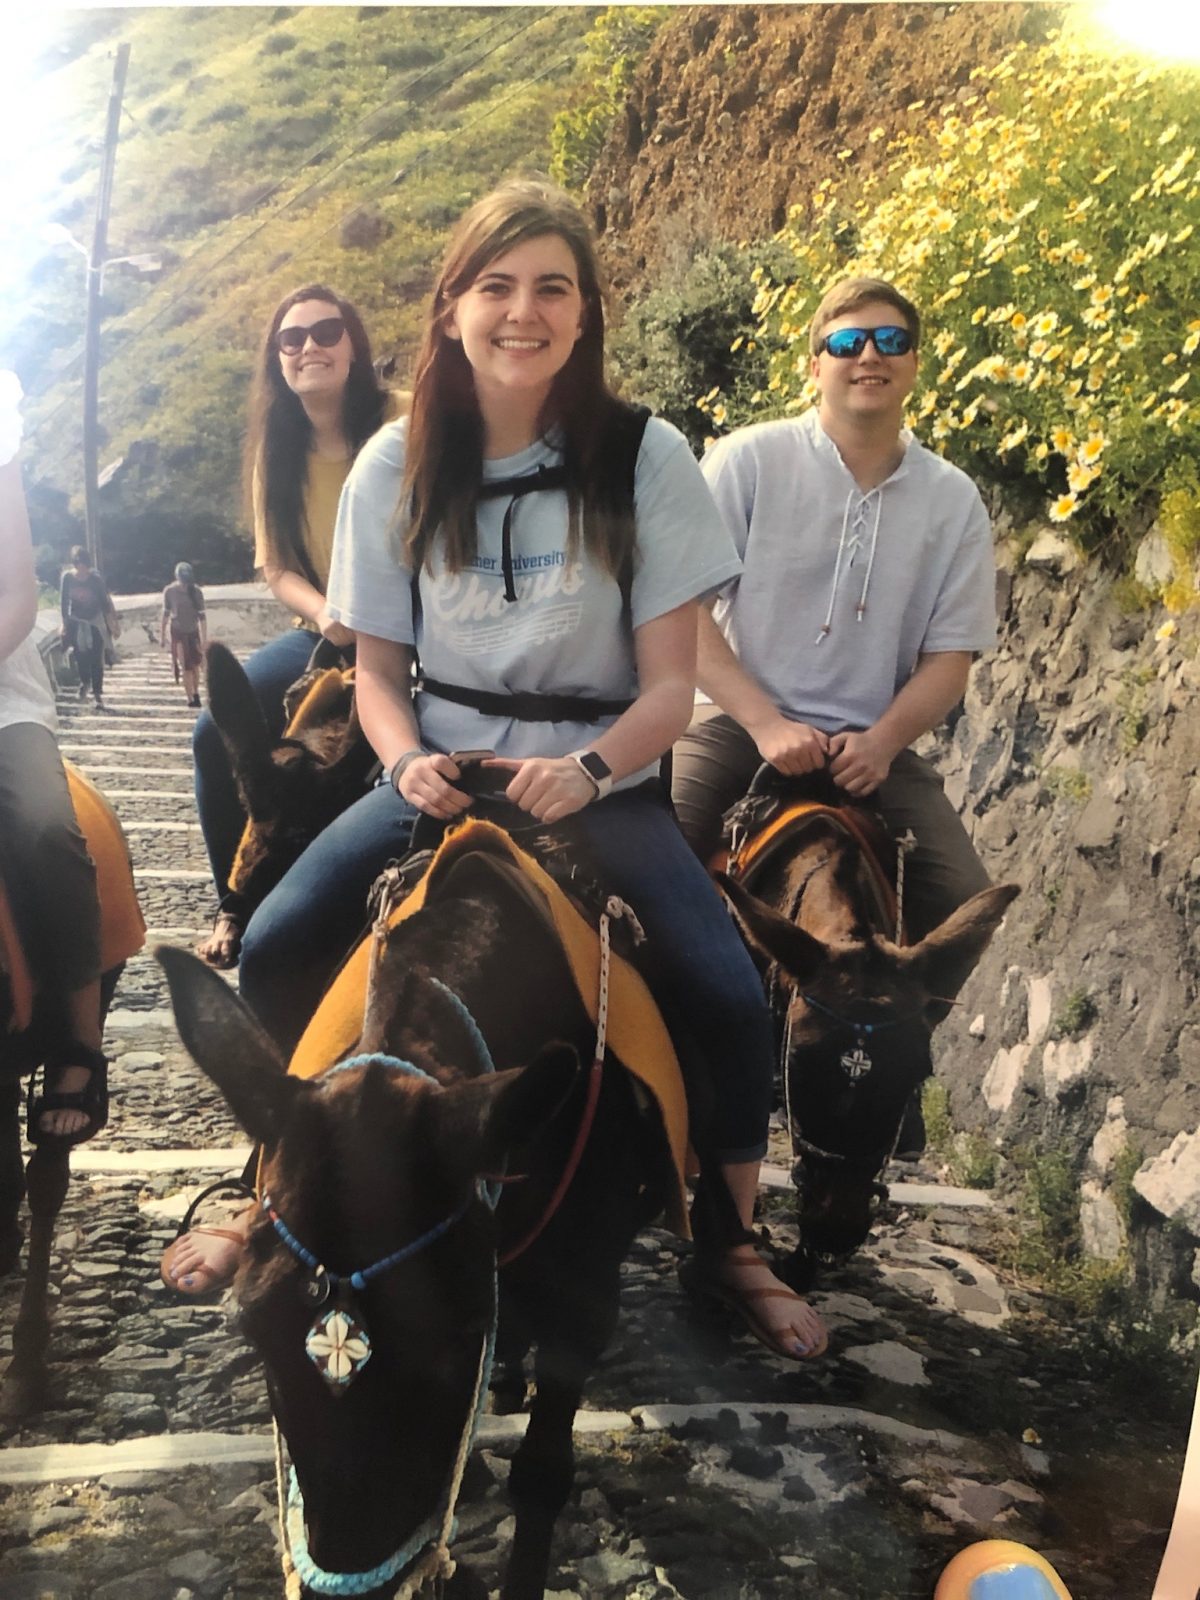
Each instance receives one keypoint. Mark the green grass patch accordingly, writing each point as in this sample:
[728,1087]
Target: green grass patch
[1075,1016]
[1067,783]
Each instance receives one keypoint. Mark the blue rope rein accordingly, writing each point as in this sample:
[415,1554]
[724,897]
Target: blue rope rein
[863,1028]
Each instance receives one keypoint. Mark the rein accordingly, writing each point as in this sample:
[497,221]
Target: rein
[613,907]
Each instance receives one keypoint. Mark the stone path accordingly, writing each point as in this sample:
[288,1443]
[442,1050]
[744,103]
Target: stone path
[950,1408]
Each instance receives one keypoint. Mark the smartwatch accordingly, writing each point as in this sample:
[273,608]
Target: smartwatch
[401,765]
[596,768]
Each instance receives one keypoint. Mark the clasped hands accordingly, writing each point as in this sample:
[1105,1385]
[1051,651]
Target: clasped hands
[549,788]
[857,762]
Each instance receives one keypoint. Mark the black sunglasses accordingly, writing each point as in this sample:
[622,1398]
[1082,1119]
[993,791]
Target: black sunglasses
[846,343]
[325,333]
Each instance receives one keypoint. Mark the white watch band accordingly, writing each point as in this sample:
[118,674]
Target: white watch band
[602,786]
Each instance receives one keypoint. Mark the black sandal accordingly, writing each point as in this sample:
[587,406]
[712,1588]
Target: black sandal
[92,1099]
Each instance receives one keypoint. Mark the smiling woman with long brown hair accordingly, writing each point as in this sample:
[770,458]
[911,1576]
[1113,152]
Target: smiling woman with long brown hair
[316,400]
[553,604]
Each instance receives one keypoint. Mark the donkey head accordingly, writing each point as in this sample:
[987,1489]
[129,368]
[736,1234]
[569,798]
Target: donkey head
[859,1018]
[358,1164]
[293,787]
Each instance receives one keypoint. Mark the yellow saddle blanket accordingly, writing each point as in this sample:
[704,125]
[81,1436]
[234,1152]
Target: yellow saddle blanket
[122,928]
[636,1033]
[328,693]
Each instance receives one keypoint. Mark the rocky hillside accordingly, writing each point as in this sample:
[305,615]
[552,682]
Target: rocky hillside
[739,112]
[1075,762]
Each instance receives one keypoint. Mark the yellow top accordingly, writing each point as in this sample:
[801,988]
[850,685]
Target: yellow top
[323,480]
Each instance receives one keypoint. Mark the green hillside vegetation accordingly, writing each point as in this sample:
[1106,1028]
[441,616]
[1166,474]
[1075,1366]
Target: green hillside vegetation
[1046,224]
[260,149]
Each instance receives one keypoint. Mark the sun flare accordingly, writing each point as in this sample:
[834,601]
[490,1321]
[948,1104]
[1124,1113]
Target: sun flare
[1161,28]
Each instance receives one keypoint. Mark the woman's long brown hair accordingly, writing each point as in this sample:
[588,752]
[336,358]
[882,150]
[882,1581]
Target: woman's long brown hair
[444,450]
[279,433]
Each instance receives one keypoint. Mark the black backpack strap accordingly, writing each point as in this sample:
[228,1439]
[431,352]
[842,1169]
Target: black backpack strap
[625,428]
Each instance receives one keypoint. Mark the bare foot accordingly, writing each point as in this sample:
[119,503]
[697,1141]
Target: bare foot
[777,1316]
[223,944]
[68,1080]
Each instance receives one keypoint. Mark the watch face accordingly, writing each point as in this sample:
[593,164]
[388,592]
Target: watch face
[595,766]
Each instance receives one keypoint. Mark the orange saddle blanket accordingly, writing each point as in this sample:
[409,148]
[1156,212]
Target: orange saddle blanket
[122,928]
[636,1033]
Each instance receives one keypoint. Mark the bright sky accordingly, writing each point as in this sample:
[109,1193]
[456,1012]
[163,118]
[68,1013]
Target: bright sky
[29,161]
[1167,29]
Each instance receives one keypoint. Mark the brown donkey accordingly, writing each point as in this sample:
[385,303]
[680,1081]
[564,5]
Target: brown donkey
[377,1169]
[291,787]
[856,1011]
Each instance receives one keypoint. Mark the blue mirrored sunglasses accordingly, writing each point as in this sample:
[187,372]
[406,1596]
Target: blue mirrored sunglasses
[846,343]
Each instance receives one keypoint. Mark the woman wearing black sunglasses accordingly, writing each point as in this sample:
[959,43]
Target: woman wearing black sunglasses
[316,400]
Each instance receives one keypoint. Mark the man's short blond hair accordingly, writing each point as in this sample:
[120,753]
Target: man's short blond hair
[848,295]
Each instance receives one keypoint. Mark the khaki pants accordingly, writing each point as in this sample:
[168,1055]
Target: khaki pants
[714,761]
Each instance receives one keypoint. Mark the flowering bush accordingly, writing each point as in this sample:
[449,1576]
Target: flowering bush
[1044,223]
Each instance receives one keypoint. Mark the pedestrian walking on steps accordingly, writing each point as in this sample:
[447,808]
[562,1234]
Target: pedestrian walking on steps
[183,630]
[89,623]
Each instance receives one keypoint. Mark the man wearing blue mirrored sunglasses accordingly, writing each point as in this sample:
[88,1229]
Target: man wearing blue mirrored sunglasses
[868,587]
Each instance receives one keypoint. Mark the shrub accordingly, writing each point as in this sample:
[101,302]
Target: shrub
[277,44]
[1043,223]
[1067,783]
[612,50]
[692,335]
[1076,1015]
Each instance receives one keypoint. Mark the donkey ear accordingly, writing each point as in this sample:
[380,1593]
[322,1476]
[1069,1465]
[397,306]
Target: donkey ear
[486,1117]
[238,716]
[799,955]
[226,1042]
[945,958]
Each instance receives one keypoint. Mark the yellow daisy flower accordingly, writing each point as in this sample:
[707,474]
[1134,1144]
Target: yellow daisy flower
[1078,478]
[1191,343]
[1127,338]
[1011,440]
[1021,371]
[1019,320]
[1063,507]
[1092,448]
[1045,324]
[1063,440]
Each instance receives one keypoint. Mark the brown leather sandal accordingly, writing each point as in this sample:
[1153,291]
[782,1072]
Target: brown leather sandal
[701,1278]
[213,1282]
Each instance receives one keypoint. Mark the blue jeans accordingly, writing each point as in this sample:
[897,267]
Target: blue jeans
[271,670]
[705,984]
